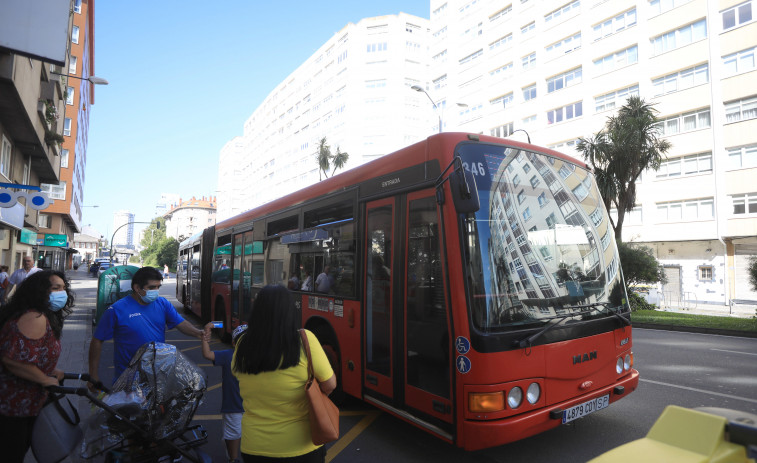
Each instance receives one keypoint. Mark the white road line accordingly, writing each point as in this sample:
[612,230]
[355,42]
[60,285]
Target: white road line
[703,391]
[734,351]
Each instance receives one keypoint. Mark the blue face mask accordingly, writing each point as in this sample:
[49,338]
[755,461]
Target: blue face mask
[150,295]
[58,299]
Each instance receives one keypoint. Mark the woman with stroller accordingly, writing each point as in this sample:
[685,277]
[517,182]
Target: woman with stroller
[271,366]
[31,325]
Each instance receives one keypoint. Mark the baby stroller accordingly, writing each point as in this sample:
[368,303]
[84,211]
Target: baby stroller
[145,417]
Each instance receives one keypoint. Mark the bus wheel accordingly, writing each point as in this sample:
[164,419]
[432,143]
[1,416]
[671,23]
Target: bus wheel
[220,315]
[331,349]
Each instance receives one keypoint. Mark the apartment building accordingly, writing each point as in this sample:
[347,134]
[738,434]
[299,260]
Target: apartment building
[123,229]
[558,69]
[187,218]
[354,90]
[62,219]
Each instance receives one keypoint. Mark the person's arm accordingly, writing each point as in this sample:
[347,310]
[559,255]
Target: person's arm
[29,372]
[206,352]
[189,329]
[95,349]
[328,386]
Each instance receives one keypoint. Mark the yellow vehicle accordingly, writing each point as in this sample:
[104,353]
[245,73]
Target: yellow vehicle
[702,435]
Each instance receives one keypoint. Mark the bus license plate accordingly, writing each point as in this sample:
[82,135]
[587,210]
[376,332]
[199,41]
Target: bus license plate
[591,406]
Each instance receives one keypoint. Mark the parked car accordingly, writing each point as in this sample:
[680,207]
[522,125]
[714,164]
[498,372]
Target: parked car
[103,267]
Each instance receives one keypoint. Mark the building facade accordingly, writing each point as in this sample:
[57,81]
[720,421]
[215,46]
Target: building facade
[190,217]
[354,90]
[558,69]
[165,202]
[123,226]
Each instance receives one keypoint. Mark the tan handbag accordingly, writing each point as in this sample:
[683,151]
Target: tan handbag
[323,414]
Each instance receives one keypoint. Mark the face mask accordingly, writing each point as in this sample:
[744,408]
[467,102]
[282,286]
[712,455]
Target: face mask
[57,300]
[150,295]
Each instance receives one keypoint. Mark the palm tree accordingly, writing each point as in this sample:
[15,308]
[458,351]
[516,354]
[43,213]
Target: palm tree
[339,160]
[628,145]
[324,158]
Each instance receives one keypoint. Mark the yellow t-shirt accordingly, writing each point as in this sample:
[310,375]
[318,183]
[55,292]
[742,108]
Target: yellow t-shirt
[275,421]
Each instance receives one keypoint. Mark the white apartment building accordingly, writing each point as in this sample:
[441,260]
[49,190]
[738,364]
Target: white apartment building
[558,69]
[123,229]
[187,218]
[354,90]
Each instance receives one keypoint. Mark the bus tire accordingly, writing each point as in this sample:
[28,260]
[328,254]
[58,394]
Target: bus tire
[331,347]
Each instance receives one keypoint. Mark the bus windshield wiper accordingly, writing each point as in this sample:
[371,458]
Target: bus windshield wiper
[527,341]
[605,307]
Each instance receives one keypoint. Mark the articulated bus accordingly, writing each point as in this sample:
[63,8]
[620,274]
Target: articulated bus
[468,284]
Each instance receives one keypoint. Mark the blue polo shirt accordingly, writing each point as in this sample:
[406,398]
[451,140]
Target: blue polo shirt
[131,325]
[231,401]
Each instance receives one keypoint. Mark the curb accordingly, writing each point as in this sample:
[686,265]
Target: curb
[696,329]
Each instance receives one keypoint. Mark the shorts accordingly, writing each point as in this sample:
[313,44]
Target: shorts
[232,426]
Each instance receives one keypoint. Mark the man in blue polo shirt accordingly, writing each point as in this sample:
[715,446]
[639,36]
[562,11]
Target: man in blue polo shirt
[136,319]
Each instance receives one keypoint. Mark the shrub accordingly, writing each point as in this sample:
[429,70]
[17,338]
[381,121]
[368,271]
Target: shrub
[753,272]
[639,265]
[638,303]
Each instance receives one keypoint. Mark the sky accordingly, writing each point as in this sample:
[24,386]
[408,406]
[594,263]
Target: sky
[183,77]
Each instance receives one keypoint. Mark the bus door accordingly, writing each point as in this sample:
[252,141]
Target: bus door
[236,272]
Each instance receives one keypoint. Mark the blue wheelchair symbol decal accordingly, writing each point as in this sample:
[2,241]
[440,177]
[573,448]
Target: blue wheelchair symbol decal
[463,364]
[462,345]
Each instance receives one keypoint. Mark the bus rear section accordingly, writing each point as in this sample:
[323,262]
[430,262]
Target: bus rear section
[546,337]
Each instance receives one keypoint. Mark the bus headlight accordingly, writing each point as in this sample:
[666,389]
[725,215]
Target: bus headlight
[627,362]
[485,402]
[515,397]
[619,365]
[533,393]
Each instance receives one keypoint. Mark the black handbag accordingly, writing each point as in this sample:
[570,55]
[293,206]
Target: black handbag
[56,431]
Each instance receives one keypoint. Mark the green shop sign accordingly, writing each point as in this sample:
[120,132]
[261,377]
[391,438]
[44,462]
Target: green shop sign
[28,237]
[56,240]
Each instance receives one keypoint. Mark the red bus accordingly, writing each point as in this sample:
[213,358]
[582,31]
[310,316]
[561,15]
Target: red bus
[468,284]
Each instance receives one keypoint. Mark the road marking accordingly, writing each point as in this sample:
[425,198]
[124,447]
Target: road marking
[190,348]
[734,351]
[719,394]
[345,440]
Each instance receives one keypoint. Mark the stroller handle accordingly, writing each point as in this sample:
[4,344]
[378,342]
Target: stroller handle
[78,390]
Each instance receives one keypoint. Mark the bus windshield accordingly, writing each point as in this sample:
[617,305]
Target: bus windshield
[541,245]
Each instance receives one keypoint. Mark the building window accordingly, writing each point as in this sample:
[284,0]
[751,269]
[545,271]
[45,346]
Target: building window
[72,64]
[534,181]
[687,122]
[615,24]
[5,158]
[67,126]
[661,6]
[501,13]
[681,80]
[741,110]
[736,16]
[27,171]
[472,56]
[564,80]
[501,42]
[565,113]
[616,60]
[543,199]
[376,47]
[502,100]
[529,61]
[516,180]
[529,120]
[440,83]
[43,220]
[565,170]
[705,272]
[521,196]
[528,28]
[742,157]
[75,34]
[686,165]
[745,204]
[677,211]
[70,96]
[611,100]
[562,11]
[503,72]
[54,191]
[64,158]
[564,46]
[529,93]
[527,214]
[679,37]
[502,131]
[736,63]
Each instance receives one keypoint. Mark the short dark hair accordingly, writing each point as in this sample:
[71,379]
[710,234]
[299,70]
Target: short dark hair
[145,274]
[272,341]
[33,293]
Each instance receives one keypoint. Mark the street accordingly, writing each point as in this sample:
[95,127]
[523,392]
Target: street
[685,369]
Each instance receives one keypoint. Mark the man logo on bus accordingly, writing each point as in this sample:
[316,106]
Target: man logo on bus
[585,357]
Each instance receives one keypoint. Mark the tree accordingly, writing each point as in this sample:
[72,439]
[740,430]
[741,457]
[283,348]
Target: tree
[618,154]
[325,159]
[639,265]
[753,272]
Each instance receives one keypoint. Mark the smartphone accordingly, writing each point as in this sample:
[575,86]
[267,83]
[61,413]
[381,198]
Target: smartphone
[217,324]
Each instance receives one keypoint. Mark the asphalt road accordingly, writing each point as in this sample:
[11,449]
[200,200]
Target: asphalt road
[685,369]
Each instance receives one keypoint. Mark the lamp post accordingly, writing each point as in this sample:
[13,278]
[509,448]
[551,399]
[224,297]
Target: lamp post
[418,88]
[528,137]
[92,79]
[114,236]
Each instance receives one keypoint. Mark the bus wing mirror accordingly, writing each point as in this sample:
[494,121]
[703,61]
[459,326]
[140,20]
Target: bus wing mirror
[464,192]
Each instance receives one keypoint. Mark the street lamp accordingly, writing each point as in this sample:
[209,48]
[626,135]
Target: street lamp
[418,88]
[92,79]
[114,236]
[528,137]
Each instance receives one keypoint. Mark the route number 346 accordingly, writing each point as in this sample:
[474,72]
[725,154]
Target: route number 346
[476,168]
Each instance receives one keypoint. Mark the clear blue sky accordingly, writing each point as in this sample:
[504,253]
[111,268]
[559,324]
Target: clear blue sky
[184,76]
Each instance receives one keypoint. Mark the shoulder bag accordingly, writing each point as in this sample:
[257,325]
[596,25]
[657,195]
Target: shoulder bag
[323,414]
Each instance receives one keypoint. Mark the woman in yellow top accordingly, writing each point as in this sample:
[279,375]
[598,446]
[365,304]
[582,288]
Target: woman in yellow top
[271,366]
